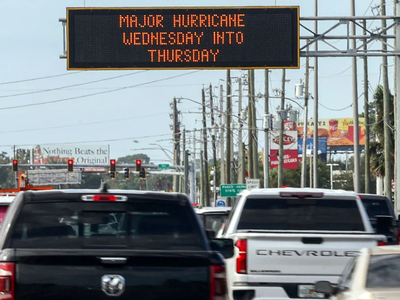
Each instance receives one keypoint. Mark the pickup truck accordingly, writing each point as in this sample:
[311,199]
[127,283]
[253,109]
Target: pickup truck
[379,208]
[288,238]
[103,244]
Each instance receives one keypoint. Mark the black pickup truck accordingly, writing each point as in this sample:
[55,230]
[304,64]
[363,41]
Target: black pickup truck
[381,214]
[103,244]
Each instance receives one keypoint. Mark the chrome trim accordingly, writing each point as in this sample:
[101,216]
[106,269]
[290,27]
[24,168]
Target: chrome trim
[113,260]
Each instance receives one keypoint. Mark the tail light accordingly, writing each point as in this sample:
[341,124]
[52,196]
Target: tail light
[7,280]
[218,286]
[381,243]
[398,236]
[241,260]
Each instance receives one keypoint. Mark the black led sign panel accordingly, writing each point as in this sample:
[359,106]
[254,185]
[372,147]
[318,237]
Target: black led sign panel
[183,38]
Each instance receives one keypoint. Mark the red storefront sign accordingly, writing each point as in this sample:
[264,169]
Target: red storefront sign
[290,159]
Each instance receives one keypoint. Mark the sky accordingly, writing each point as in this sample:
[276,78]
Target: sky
[130,109]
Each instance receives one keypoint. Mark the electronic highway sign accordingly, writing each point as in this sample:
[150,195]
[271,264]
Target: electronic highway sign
[183,38]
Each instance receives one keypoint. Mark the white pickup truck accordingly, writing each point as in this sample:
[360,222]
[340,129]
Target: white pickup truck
[288,238]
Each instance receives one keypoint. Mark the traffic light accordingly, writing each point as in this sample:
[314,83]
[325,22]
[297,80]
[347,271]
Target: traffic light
[142,173]
[138,165]
[70,165]
[127,173]
[15,165]
[112,174]
[113,165]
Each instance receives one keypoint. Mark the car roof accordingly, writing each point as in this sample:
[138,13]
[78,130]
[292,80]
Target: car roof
[373,196]
[213,210]
[141,194]
[276,191]
[6,199]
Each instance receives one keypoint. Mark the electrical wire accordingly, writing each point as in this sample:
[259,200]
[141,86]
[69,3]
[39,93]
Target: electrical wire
[82,124]
[69,86]
[94,94]
[38,78]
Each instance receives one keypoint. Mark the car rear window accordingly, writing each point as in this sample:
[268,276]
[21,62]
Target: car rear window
[133,225]
[214,221]
[300,214]
[384,271]
[375,207]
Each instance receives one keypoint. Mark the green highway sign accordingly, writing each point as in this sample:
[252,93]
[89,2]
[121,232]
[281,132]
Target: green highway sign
[163,166]
[231,190]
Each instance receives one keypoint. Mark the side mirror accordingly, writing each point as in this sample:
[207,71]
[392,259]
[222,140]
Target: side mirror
[383,224]
[324,287]
[223,246]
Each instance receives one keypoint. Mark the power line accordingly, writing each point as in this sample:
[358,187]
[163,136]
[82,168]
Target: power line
[69,86]
[38,78]
[94,94]
[83,124]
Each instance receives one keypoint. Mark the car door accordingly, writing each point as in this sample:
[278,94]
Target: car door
[344,288]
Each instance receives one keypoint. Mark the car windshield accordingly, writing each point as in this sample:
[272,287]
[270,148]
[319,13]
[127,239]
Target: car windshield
[300,214]
[384,271]
[375,207]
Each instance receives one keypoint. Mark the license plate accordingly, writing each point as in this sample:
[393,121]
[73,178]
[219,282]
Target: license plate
[307,291]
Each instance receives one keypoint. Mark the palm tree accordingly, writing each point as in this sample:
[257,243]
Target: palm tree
[377,147]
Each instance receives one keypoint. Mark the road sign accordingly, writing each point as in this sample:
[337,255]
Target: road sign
[115,38]
[231,190]
[252,184]
[220,203]
[163,166]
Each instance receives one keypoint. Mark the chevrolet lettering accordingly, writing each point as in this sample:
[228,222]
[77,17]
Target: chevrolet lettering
[307,253]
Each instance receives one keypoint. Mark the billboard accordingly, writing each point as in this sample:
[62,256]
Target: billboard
[337,131]
[183,37]
[289,140]
[80,154]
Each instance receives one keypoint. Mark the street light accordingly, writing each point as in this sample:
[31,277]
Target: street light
[331,167]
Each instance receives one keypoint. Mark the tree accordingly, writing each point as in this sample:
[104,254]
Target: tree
[377,147]
[131,159]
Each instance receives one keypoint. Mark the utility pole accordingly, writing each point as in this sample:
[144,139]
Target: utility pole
[356,134]
[397,110]
[315,136]
[221,134]
[228,126]
[266,129]
[194,166]
[256,171]
[214,149]
[366,117]
[183,182]
[281,130]
[305,126]
[176,139]
[186,164]
[242,163]
[386,112]
[250,152]
[202,181]
[207,183]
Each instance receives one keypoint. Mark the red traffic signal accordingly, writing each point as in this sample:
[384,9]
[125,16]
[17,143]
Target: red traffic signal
[138,165]
[113,165]
[15,165]
[70,165]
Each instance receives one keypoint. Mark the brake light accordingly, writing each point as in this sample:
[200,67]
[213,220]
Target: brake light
[241,260]
[104,198]
[380,243]
[301,194]
[218,286]
[398,236]
[7,279]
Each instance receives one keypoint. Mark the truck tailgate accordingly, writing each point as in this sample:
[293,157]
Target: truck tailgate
[302,254]
[99,275]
